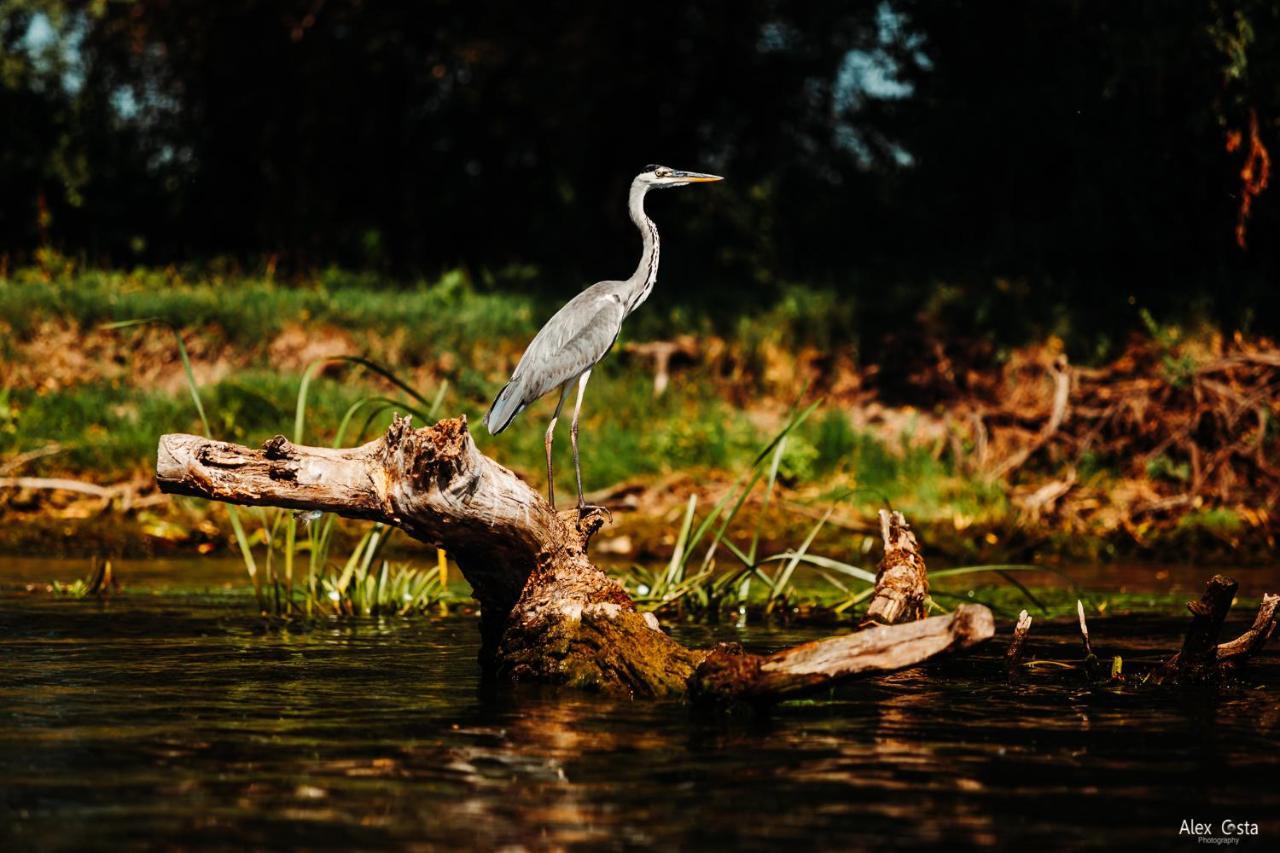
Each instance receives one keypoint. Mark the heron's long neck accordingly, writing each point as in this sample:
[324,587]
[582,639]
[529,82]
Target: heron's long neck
[641,281]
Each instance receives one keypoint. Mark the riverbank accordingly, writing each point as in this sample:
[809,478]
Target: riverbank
[1165,450]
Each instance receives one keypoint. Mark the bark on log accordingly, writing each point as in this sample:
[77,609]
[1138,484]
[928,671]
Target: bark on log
[547,613]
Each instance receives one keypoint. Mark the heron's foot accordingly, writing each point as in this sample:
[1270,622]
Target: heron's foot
[586,509]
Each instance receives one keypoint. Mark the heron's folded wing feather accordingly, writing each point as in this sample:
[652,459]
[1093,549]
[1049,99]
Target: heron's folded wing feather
[569,344]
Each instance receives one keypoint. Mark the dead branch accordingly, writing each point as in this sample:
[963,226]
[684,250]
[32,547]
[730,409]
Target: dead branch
[1017,646]
[1084,629]
[1197,660]
[1061,396]
[729,675]
[1251,641]
[16,462]
[61,485]
[662,352]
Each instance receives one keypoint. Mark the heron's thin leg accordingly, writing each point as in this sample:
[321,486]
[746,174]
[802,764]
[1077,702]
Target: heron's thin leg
[573,433]
[551,431]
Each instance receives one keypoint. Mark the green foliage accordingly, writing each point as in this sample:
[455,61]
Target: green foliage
[8,412]
[368,586]
[1232,35]
[799,316]
[799,461]
[835,441]
[1220,521]
[126,139]
[708,591]
[1179,367]
[1161,467]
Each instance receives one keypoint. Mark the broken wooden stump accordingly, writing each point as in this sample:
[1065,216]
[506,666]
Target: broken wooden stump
[1093,668]
[548,614]
[883,643]
[1202,659]
[1017,646]
[902,582]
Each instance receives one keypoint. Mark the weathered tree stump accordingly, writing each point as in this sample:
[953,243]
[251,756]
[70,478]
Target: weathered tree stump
[547,613]
[1202,659]
[902,583]
[1017,646]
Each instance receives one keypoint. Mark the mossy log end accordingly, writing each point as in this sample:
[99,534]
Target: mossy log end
[547,613]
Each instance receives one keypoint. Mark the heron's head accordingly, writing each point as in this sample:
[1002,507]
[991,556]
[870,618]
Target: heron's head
[660,177]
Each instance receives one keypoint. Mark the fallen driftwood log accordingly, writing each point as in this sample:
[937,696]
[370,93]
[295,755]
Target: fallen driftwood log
[547,613]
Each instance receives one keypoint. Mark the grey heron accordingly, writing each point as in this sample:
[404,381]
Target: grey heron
[580,334]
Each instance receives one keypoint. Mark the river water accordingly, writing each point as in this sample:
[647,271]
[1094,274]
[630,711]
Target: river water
[166,718]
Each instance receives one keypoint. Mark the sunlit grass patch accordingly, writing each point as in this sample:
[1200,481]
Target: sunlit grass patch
[447,313]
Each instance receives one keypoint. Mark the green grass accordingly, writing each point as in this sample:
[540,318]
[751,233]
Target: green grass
[457,311]
[110,430]
[447,314]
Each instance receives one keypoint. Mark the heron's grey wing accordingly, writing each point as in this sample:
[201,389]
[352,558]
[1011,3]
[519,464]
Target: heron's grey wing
[569,344]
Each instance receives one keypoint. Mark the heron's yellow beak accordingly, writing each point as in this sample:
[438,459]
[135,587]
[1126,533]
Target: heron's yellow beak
[698,177]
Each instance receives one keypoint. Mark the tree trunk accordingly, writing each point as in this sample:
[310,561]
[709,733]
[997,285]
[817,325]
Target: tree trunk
[547,613]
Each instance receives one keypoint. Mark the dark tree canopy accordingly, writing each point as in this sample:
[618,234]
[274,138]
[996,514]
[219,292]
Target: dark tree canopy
[1057,165]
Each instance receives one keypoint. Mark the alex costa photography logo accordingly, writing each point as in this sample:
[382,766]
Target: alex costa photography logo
[1224,832]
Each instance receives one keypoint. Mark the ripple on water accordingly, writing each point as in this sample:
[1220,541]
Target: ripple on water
[170,721]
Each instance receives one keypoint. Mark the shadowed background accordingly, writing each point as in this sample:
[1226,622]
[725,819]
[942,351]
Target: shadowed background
[1055,165]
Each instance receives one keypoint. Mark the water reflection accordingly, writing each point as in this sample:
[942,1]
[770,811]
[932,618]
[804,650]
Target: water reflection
[177,723]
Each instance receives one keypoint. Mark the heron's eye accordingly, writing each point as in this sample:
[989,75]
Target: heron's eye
[662,173]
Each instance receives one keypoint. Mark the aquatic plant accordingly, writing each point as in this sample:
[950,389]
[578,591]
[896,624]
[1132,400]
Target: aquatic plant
[99,583]
[369,586]
[766,584]
[708,590]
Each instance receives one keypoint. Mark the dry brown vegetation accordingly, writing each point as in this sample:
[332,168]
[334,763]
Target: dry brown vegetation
[1173,442]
